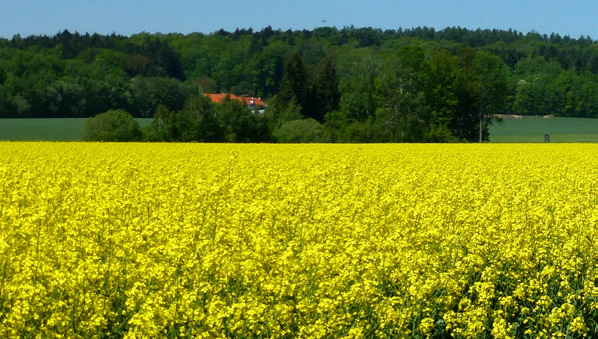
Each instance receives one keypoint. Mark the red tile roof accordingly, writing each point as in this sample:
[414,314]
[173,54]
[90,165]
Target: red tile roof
[218,98]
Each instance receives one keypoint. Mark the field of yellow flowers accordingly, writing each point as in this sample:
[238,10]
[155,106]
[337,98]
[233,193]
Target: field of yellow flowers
[311,241]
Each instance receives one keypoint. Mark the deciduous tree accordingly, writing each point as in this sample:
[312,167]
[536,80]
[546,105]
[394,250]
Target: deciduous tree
[114,125]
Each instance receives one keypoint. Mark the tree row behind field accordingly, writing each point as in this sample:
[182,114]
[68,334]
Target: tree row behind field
[328,84]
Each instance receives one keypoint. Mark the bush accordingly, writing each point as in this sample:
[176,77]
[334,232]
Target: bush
[114,125]
[308,130]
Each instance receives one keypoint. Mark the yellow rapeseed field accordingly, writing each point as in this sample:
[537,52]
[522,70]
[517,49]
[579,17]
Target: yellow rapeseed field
[309,241]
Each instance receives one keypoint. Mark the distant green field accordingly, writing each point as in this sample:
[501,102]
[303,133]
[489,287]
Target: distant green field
[534,129]
[46,129]
[508,131]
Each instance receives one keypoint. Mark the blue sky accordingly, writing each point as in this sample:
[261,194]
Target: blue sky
[126,17]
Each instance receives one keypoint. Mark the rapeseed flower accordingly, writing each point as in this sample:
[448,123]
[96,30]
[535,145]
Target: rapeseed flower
[309,241]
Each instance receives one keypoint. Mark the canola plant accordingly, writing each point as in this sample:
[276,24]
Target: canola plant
[308,241]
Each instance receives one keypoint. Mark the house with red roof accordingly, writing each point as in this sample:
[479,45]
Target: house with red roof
[252,103]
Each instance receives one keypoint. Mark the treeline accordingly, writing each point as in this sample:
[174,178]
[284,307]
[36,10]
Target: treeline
[200,120]
[326,84]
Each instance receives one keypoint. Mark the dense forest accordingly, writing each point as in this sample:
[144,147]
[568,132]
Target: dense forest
[327,84]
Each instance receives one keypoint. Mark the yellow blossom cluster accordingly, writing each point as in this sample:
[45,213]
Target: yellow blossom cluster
[307,241]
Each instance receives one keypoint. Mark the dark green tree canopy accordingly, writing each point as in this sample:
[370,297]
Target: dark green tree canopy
[338,77]
[114,125]
[295,82]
